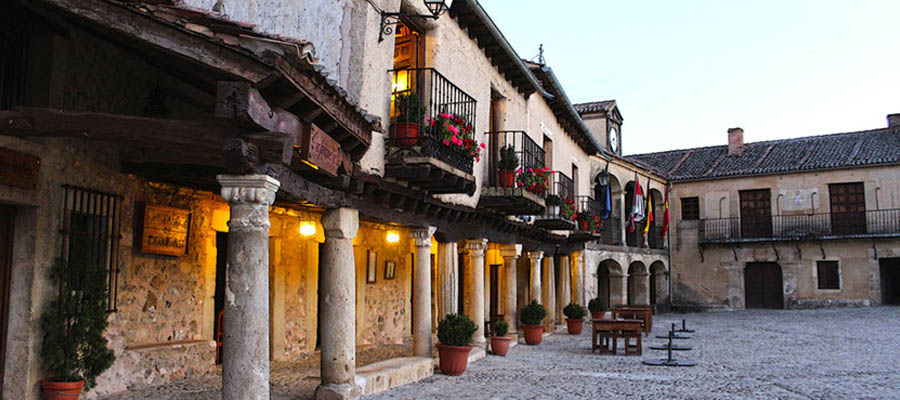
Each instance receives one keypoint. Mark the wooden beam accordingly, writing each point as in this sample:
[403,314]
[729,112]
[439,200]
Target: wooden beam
[241,102]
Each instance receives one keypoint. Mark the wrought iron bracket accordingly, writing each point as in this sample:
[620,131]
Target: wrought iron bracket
[391,19]
[821,247]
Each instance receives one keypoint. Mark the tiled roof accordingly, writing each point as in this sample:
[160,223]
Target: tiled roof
[840,150]
[594,106]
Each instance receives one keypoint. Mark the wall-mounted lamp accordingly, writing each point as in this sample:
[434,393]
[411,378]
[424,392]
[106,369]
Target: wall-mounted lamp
[392,237]
[389,19]
[307,228]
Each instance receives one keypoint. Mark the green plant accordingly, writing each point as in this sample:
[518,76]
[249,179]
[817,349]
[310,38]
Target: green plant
[500,328]
[568,209]
[509,160]
[533,314]
[595,225]
[455,133]
[409,108]
[534,180]
[74,348]
[456,330]
[553,200]
[574,311]
[598,305]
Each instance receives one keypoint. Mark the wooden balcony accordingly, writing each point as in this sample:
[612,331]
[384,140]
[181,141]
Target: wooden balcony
[417,154]
[500,191]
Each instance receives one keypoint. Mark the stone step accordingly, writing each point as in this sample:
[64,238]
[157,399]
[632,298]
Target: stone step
[387,374]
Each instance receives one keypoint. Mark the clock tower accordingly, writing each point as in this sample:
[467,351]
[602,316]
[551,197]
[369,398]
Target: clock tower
[605,122]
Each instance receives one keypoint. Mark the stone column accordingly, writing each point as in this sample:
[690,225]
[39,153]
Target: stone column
[618,288]
[422,346]
[563,288]
[535,293]
[641,288]
[548,295]
[245,369]
[579,278]
[510,255]
[448,270]
[337,306]
[476,249]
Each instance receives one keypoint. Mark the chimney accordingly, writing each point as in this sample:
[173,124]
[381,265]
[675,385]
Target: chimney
[735,142]
[893,120]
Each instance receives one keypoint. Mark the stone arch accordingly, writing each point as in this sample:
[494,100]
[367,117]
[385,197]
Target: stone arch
[638,284]
[607,271]
[659,285]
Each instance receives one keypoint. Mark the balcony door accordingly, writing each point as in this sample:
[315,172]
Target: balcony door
[756,213]
[848,208]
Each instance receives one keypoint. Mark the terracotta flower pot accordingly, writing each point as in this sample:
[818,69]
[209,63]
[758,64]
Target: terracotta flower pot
[61,390]
[500,345]
[583,225]
[533,333]
[598,315]
[453,359]
[506,178]
[407,133]
[574,325]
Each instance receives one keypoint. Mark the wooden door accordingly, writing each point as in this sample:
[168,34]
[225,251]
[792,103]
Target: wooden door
[548,153]
[889,269]
[756,213]
[7,216]
[848,208]
[763,286]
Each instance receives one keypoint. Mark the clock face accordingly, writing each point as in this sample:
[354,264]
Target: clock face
[613,139]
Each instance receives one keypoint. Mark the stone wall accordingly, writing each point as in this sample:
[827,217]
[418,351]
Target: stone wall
[383,307]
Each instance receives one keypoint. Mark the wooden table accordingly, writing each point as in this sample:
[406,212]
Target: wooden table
[643,313]
[609,330]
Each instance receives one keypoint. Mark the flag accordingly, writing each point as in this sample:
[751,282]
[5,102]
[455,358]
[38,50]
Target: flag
[665,228]
[637,210]
[649,210]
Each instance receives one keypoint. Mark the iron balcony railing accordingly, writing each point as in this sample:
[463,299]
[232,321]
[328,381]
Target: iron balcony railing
[560,185]
[873,223]
[527,154]
[420,95]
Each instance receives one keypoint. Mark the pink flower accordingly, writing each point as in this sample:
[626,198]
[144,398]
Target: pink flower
[449,116]
[453,129]
[483,145]
[444,115]
[446,142]
[478,159]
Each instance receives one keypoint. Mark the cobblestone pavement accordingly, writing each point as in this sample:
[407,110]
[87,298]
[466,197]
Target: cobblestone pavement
[797,354]
[851,353]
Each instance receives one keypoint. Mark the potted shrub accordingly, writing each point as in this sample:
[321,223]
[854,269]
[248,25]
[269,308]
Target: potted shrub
[499,341]
[74,350]
[534,180]
[455,133]
[574,318]
[584,221]
[598,308]
[567,209]
[455,335]
[506,168]
[553,202]
[410,112]
[532,317]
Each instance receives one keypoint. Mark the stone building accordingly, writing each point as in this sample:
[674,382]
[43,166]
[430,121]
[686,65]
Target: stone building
[256,198]
[794,223]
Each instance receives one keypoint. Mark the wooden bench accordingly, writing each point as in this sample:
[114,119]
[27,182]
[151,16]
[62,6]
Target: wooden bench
[605,334]
[641,312]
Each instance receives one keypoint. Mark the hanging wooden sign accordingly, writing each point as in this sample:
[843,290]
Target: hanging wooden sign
[319,149]
[165,230]
[19,169]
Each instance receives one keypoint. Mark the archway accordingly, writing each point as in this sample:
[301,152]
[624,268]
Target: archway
[612,234]
[659,288]
[604,282]
[635,238]
[763,285]
[637,284]
[654,235]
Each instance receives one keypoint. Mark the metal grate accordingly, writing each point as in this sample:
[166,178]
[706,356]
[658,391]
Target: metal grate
[92,218]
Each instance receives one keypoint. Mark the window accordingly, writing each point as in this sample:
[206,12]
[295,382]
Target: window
[756,213]
[548,152]
[690,208]
[575,179]
[848,208]
[91,226]
[829,275]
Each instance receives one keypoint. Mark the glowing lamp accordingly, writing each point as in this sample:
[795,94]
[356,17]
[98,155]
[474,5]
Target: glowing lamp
[392,237]
[307,229]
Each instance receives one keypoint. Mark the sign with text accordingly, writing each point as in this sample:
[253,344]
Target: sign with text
[165,230]
[319,149]
[19,169]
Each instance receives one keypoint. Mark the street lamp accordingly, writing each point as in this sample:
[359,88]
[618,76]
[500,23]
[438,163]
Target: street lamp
[389,19]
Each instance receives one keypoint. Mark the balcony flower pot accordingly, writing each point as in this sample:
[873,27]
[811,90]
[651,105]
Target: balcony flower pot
[583,225]
[574,318]
[499,341]
[61,390]
[506,178]
[455,335]
[405,133]
[532,317]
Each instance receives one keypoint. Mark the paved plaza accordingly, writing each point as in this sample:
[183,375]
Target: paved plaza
[849,353]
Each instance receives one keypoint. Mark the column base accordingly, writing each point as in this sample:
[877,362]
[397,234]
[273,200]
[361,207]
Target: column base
[341,391]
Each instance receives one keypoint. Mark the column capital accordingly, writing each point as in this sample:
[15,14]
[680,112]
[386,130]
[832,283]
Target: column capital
[510,251]
[341,223]
[422,236]
[249,189]
[476,247]
[536,255]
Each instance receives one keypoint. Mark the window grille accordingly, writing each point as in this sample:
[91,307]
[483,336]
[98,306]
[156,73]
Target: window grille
[91,218]
[690,208]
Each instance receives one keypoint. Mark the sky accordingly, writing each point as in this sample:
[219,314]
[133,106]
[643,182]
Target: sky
[683,72]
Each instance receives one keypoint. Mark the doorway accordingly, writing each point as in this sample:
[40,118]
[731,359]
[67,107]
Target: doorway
[763,286]
[495,293]
[603,282]
[890,280]
[7,216]
[219,296]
